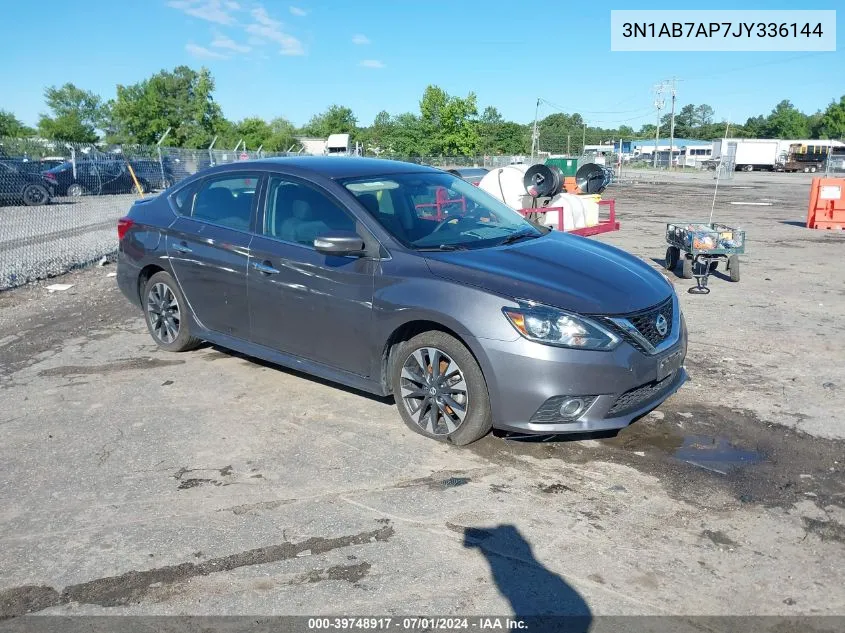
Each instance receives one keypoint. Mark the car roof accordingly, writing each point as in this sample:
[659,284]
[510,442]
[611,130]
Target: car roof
[335,167]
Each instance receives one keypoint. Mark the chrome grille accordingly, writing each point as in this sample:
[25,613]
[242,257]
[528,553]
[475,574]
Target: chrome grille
[645,325]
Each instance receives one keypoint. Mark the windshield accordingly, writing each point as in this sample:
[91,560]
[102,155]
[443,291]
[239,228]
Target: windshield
[437,211]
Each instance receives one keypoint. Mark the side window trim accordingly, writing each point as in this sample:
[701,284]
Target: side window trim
[201,183]
[261,224]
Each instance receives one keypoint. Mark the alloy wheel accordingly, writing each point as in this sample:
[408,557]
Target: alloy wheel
[163,313]
[34,195]
[434,391]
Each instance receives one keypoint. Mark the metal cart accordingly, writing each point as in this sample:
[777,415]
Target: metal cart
[700,246]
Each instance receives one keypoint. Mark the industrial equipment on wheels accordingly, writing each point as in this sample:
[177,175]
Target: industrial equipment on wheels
[700,247]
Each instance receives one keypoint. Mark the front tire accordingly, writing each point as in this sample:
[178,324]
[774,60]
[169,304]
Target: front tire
[166,314]
[35,195]
[76,190]
[686,268]
[440,390]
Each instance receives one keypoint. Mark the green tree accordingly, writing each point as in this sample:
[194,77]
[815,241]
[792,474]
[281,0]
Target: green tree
[75,114]
[449,123]
[786,121]
[336,120]
[407,136]
[180,100]
[379,136]
[282,135]
[832,122]
[11,127]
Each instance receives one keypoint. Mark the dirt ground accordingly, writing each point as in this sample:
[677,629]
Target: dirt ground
[140,482]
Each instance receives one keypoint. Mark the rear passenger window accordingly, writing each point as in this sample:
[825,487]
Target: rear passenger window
[227,200]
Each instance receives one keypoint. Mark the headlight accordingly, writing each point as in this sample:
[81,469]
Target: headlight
[556,327]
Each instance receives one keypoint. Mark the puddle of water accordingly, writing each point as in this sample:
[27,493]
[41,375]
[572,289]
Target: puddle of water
[716,454]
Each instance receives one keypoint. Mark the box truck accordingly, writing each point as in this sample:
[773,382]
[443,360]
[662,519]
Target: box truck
[747,154]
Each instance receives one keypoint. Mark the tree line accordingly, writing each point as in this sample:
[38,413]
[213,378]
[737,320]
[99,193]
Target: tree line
[182,101]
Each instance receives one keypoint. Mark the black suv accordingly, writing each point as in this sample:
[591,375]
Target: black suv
[19,185]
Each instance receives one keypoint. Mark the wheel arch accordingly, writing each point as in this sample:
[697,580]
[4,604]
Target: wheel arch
[146,272]
[407,331]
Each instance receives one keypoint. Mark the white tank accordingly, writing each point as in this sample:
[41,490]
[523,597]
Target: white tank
[506,184]
[591,209]
[573,212]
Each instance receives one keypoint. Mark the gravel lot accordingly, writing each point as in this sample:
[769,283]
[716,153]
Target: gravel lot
[38,242]
[140,482]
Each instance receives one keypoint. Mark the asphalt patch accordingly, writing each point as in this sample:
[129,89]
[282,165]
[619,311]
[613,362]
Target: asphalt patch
[133,586]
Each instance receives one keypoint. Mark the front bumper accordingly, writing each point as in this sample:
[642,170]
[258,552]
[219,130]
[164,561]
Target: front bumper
[522,376]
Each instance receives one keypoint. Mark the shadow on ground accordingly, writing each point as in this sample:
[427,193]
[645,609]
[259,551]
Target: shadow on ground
[532,590]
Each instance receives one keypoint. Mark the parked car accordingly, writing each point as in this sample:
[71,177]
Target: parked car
[18,185]
[156,175]
[39,165]
[472,175]
[95,177]
[472,320]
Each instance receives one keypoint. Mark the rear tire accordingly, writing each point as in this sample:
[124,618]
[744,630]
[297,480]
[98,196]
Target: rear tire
[748,168]
[166,314]
[673,254]
[686,268]
[35,195]
[429,408]
[733,267]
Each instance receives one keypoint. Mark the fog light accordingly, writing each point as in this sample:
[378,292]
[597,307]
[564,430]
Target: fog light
[572,407]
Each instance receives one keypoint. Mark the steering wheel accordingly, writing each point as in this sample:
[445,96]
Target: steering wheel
[457,220]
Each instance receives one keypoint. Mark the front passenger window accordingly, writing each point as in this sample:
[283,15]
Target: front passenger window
[297,213]
[227,201]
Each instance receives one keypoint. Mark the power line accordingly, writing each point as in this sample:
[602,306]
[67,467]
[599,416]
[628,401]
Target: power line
[578,111]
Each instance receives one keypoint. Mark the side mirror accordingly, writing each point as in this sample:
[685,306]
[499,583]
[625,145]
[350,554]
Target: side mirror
[340,243]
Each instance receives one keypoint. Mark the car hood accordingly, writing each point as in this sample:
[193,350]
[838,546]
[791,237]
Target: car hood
[566,271]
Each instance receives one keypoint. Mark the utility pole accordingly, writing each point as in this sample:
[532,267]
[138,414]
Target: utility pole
[534,137]
[658,103]
[584,139]
[672,125]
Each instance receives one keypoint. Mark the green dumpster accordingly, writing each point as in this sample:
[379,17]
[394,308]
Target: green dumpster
[567,165]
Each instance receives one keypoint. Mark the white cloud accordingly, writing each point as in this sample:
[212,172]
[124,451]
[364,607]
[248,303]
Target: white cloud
[371,63]
[262,17]
[360,39]
[234,6]
[267,28]
[201,52]
[209,10]
[227,43]
[298,12]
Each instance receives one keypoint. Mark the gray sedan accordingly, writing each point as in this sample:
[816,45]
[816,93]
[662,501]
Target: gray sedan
[399,279]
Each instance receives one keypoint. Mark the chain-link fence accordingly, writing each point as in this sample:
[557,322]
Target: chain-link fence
[60,202]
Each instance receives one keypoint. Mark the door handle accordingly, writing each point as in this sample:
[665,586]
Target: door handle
[182,248]
[265,267]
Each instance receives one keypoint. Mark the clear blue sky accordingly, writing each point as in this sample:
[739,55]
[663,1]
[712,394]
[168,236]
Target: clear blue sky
[293,58]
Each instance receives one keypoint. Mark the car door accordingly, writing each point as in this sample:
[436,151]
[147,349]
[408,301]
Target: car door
[209,248]
[10,182]
[301,301]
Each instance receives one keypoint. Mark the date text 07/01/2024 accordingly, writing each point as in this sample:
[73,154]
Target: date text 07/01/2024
[721,29]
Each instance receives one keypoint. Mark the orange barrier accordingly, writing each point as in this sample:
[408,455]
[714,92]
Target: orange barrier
[827,204]
[569,184]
